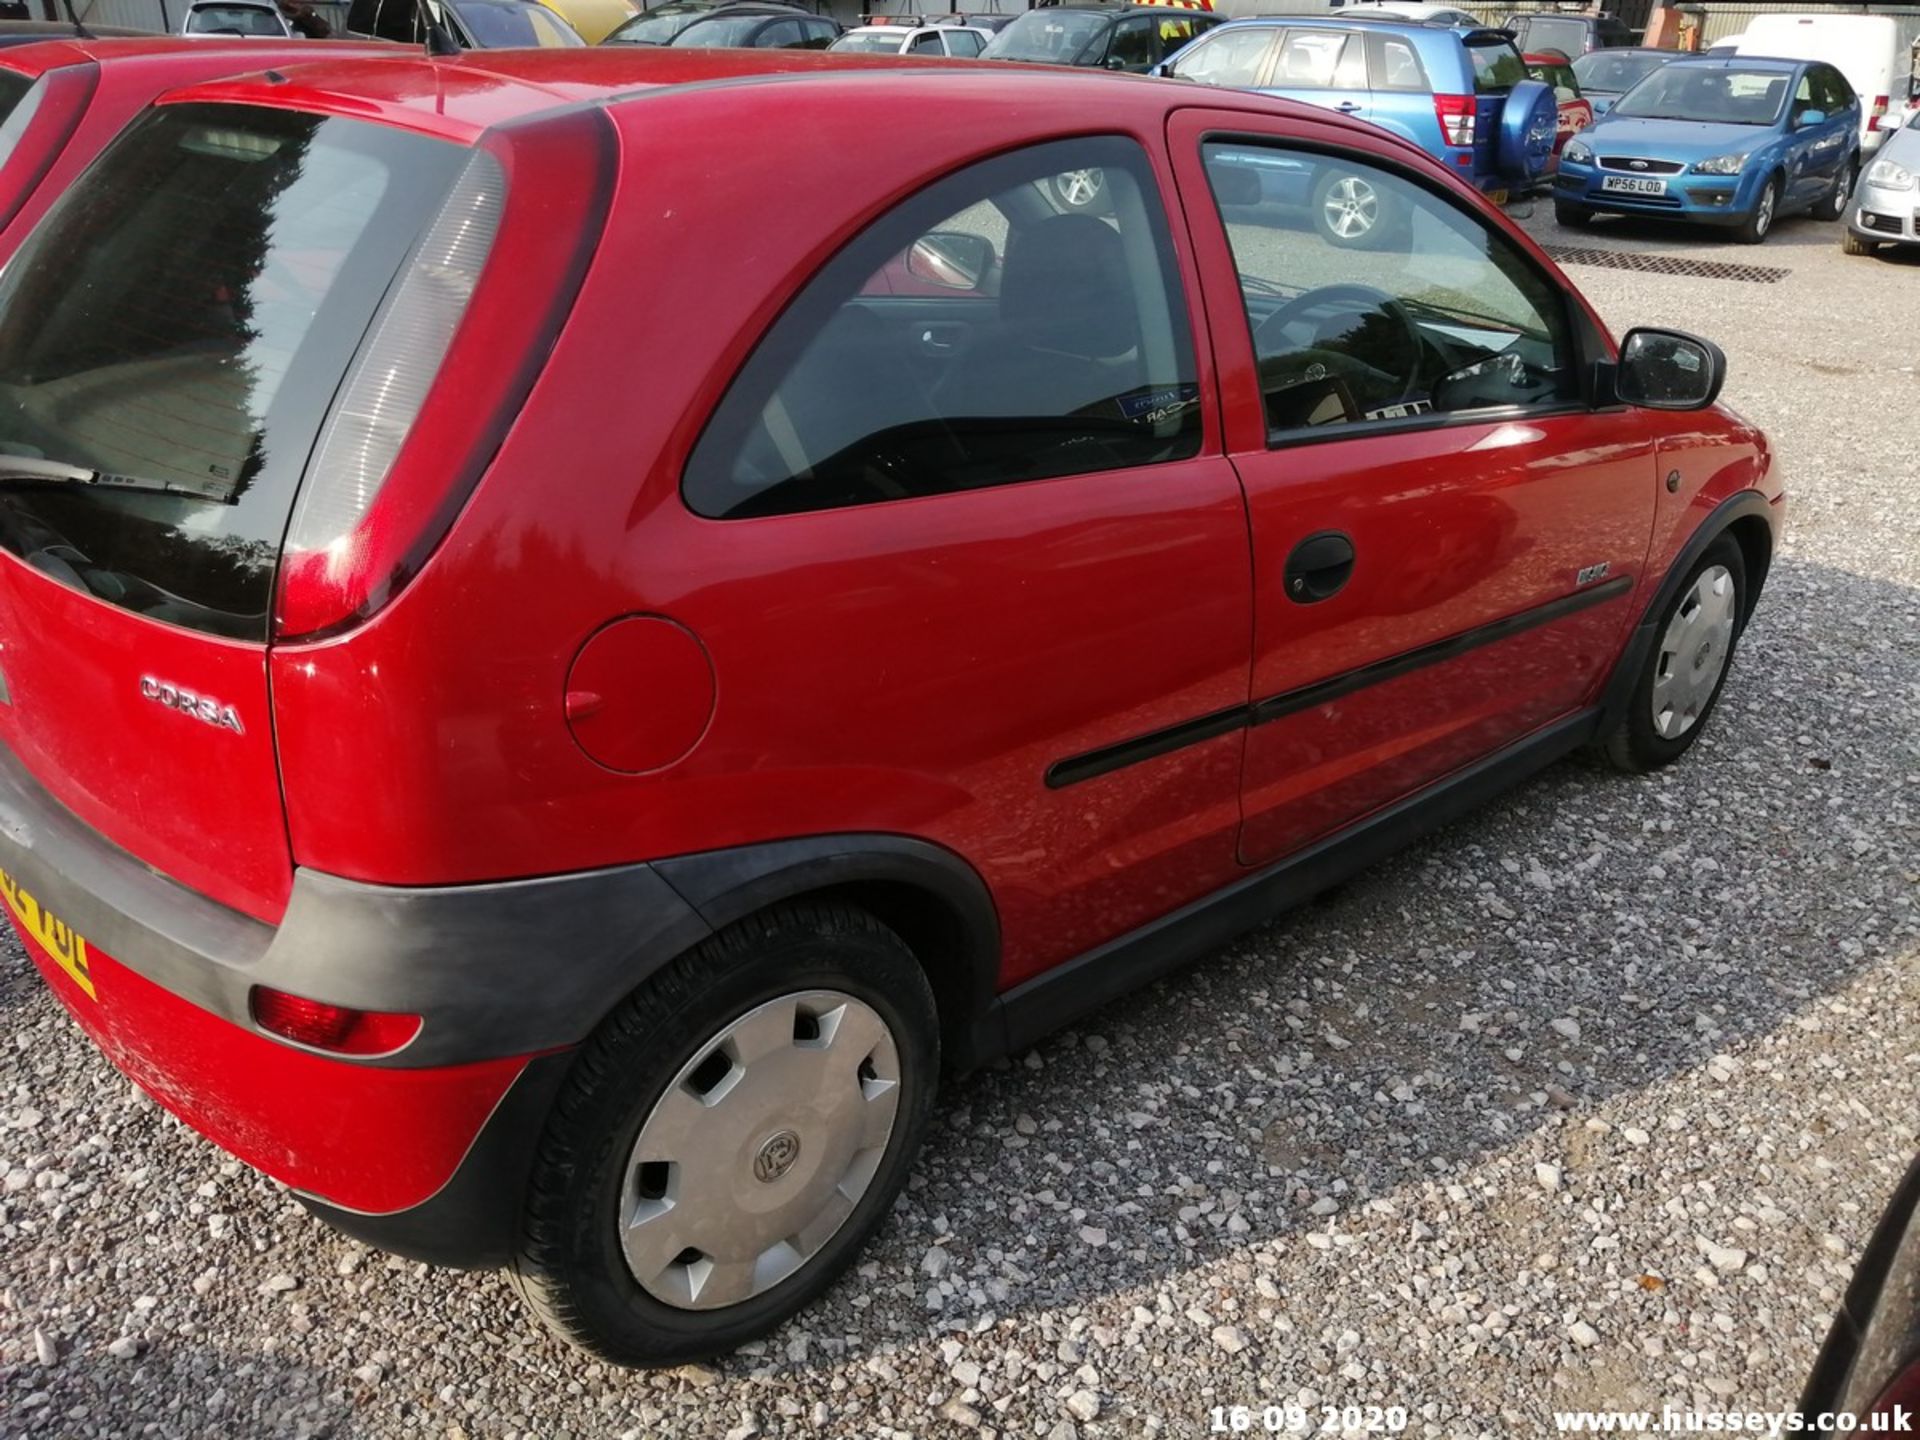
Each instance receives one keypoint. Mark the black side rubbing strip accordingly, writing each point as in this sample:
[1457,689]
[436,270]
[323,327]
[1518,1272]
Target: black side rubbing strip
[1306,697]
[1157,742]
[1076,768]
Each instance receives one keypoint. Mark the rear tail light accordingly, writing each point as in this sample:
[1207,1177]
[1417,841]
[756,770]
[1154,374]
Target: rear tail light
[1878,111]
[421,410]
[1456,114]
[338,1028]
[396,365]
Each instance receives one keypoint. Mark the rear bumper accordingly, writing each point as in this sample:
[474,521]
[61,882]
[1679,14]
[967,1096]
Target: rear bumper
[506,977]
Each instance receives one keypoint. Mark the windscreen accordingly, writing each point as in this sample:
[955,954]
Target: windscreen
[1056,36]
[657,26]
[234,20]
[878,44]
[1611,73]
[171,338]
[1708,93]
[514,24]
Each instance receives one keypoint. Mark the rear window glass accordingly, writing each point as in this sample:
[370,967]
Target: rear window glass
[171,338]
[1547,33]
[1496,66]
[1048,35]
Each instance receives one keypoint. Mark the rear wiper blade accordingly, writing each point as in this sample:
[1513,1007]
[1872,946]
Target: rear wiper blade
[34,467]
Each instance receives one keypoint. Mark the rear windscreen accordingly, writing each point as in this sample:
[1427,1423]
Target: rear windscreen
[174,332]
[1497,66]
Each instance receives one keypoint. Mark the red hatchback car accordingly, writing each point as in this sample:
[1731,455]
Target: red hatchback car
[541,710]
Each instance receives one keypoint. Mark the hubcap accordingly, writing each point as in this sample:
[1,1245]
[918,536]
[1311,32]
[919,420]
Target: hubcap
[1351,207]
[759,1150]
[1693,653]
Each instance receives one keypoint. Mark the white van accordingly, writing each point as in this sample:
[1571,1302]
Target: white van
[1874,52]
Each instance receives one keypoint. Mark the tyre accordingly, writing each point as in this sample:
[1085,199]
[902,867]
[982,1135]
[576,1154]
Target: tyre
[1834,204]
[729,1137]
[1852,244]
[1573,217]
[1351,211]
[1759,221]
[1683,674]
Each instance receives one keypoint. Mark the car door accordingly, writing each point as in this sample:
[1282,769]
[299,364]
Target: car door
[1322,67]
[1445,535]
[1018,585]
[1811,148]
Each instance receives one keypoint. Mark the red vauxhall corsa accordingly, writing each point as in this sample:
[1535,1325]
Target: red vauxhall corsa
[63,99]
[541,710]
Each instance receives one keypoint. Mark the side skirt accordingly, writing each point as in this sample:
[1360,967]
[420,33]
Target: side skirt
[1063,994]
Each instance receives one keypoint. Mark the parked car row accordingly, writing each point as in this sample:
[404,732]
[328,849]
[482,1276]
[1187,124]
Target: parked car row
[578,838]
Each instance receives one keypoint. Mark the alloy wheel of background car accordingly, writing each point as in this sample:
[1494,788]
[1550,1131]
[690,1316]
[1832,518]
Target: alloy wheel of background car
[729,1136]
[758,1150]
[1079,189]
[1349,210]
[1686,668]
[1835,203]
[1760,223]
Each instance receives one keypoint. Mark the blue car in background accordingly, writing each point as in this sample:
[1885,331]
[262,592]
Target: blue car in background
[1462,94]
[1734,141]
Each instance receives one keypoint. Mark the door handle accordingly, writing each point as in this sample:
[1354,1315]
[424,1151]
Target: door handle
[1347,107]
[1318,567]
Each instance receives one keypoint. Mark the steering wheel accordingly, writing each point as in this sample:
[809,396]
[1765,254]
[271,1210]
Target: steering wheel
[1288,357]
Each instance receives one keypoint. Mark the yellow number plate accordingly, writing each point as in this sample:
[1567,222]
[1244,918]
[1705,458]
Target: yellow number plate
[54,935]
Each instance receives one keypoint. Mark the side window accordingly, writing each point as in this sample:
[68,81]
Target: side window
[1831,90]
[1133,45]
[820,34]
[926,43]
[1396,67]
[1309,59]
[962,42]
[1047,341]
[781,35]
[1175,33]
[1372,298]
[1232,57]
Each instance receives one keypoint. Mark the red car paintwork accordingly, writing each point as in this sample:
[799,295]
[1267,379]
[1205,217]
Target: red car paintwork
[376,1140]
[909,669]
[1576,111]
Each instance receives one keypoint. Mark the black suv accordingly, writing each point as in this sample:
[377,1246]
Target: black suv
[1573,35]
[1112,37]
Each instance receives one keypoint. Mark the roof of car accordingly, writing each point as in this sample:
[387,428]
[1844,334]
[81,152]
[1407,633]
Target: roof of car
[461,97]
[1744,62]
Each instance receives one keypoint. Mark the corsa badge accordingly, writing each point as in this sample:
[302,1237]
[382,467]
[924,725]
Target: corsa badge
[203,708]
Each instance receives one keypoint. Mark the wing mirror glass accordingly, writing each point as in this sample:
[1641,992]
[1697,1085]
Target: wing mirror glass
[952,259]
[1669,370]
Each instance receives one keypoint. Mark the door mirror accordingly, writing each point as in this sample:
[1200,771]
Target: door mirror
[1812,115]
[951,258]
[1669,370]
[1116,62]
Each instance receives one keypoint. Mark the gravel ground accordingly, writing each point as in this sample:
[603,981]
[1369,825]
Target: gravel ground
[1591,1100]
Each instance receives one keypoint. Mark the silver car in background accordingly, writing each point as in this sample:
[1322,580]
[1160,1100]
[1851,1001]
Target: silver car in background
[1885,209]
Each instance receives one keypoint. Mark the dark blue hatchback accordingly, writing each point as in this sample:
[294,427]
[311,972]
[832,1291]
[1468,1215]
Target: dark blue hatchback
[1461,94]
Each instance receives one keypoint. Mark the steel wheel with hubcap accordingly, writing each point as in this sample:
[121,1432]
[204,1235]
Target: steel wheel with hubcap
[1693,654]
[729,1137]
[759,1149]
[1685,668]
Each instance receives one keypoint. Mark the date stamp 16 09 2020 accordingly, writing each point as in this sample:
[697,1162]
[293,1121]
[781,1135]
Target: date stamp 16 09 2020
[1307,1420]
